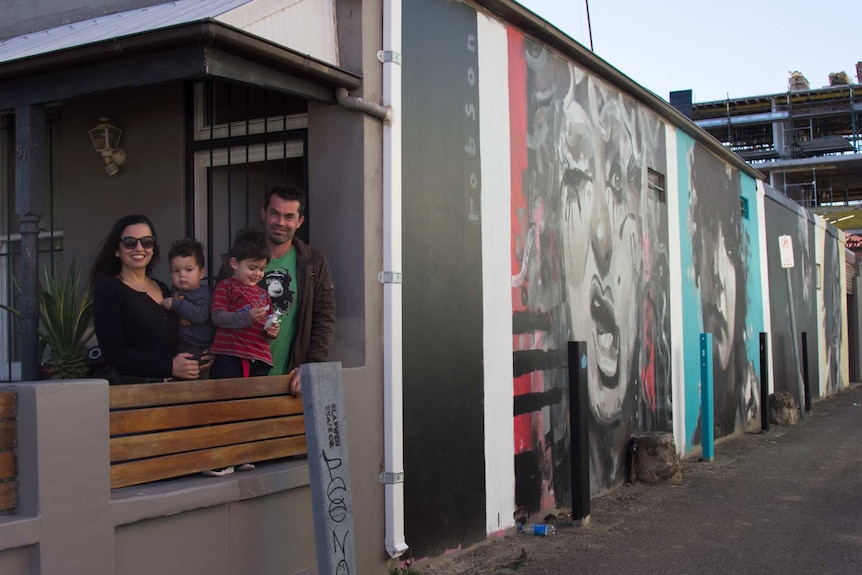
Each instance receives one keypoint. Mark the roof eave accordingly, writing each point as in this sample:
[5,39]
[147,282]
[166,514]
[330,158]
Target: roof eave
[204,33]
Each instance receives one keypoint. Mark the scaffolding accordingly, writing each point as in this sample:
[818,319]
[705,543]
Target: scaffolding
[807,142]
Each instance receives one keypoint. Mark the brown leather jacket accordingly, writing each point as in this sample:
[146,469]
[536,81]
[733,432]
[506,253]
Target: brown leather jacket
[315,320]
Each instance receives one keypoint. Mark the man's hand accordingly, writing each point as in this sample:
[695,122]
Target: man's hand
[207,360]
[295,382]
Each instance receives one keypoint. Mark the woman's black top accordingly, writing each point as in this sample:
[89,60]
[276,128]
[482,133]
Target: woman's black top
[138,337]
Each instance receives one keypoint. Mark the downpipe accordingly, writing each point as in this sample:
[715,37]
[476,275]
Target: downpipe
[393,404]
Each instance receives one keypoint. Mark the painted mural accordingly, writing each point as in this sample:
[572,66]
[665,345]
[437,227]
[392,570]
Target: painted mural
[590,263]
[720,269]
[832,313]
[536,192]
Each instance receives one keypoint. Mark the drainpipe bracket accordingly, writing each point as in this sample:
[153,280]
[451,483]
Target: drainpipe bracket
[389,277]
[385,56]
[392,477]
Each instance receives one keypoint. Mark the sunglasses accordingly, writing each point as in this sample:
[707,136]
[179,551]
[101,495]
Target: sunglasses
[146,242]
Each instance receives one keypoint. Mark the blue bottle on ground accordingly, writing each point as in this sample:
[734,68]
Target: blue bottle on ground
[540,529]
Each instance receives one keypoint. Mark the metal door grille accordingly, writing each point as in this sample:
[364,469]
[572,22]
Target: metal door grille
[242,140]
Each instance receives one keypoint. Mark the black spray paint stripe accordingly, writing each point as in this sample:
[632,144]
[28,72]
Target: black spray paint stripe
[530,402]
[527,321]
[530,360]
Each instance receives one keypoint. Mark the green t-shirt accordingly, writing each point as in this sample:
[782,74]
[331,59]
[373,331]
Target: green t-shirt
[280,282]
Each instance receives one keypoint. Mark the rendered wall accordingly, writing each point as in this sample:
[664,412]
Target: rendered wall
[785,217]
[721,288]
[442,304]
[70,521]
[527,223]
[562,160]
[832,310]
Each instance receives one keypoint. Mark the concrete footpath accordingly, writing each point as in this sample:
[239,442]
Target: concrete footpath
[786,502]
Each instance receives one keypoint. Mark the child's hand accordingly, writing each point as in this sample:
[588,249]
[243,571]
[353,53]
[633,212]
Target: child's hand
[256,314]
[167,302]
[272,330]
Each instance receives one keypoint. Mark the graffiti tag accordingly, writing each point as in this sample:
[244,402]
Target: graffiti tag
[336,492]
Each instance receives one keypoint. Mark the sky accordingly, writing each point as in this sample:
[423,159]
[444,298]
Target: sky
[734,48]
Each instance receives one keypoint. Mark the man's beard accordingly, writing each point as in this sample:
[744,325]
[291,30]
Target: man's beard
[280,239]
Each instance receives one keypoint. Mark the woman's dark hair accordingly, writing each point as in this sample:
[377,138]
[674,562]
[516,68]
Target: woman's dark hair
[107,264]
[249,244]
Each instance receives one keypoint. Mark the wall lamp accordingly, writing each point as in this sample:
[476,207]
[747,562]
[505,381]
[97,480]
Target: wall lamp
[106,140]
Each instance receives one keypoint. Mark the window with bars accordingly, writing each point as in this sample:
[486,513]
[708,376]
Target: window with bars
[243,141]
[50,234]
[655,185]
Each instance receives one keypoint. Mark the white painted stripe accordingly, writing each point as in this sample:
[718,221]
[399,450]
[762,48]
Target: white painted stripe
[845,333]
[819,255]
[764,278]
[496,273]
[677,352]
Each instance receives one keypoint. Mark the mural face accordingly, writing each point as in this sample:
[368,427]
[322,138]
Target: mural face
[805,266]
[601,267]
[601,232]
[831,312]
[720,261]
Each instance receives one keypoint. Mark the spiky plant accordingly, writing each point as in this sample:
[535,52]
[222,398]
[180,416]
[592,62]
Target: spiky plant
[65,326]
[65,319]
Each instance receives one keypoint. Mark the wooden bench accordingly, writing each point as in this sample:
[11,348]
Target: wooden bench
[8,444]
[165,430]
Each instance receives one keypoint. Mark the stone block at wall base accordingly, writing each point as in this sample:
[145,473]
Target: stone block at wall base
[782,409]
[654,458]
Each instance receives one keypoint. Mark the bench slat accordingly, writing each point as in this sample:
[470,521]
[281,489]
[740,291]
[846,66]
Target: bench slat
[177,392]
[178,416]
[8,405]
[7,435]
[146,470]
[7,465]
[8,495]
[168,442]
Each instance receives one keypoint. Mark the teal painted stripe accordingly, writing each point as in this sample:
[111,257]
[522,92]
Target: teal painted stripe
[754,323]
[692,322]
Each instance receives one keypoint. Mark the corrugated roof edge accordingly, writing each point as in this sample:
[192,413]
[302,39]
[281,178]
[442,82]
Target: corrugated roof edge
[206,32]
[549,34]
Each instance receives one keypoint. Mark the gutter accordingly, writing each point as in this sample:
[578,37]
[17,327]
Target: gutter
[547,33]
[204,33]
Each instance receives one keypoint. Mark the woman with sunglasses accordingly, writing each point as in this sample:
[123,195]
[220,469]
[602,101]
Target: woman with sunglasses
[138,337]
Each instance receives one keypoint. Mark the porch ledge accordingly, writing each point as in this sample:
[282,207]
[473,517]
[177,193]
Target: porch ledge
[17,531]
[139,502]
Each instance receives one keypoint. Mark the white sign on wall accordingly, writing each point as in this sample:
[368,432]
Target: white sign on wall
[785,246]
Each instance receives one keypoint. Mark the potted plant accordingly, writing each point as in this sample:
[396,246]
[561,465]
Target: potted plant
[65,319]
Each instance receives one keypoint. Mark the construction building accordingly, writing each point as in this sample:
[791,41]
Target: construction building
[807,142]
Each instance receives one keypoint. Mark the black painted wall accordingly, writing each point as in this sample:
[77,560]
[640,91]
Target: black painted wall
[443,375]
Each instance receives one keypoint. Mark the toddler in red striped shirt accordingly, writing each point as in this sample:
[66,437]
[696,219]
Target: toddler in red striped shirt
[240,309]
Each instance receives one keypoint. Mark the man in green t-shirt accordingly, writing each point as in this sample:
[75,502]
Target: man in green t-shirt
[300,285]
